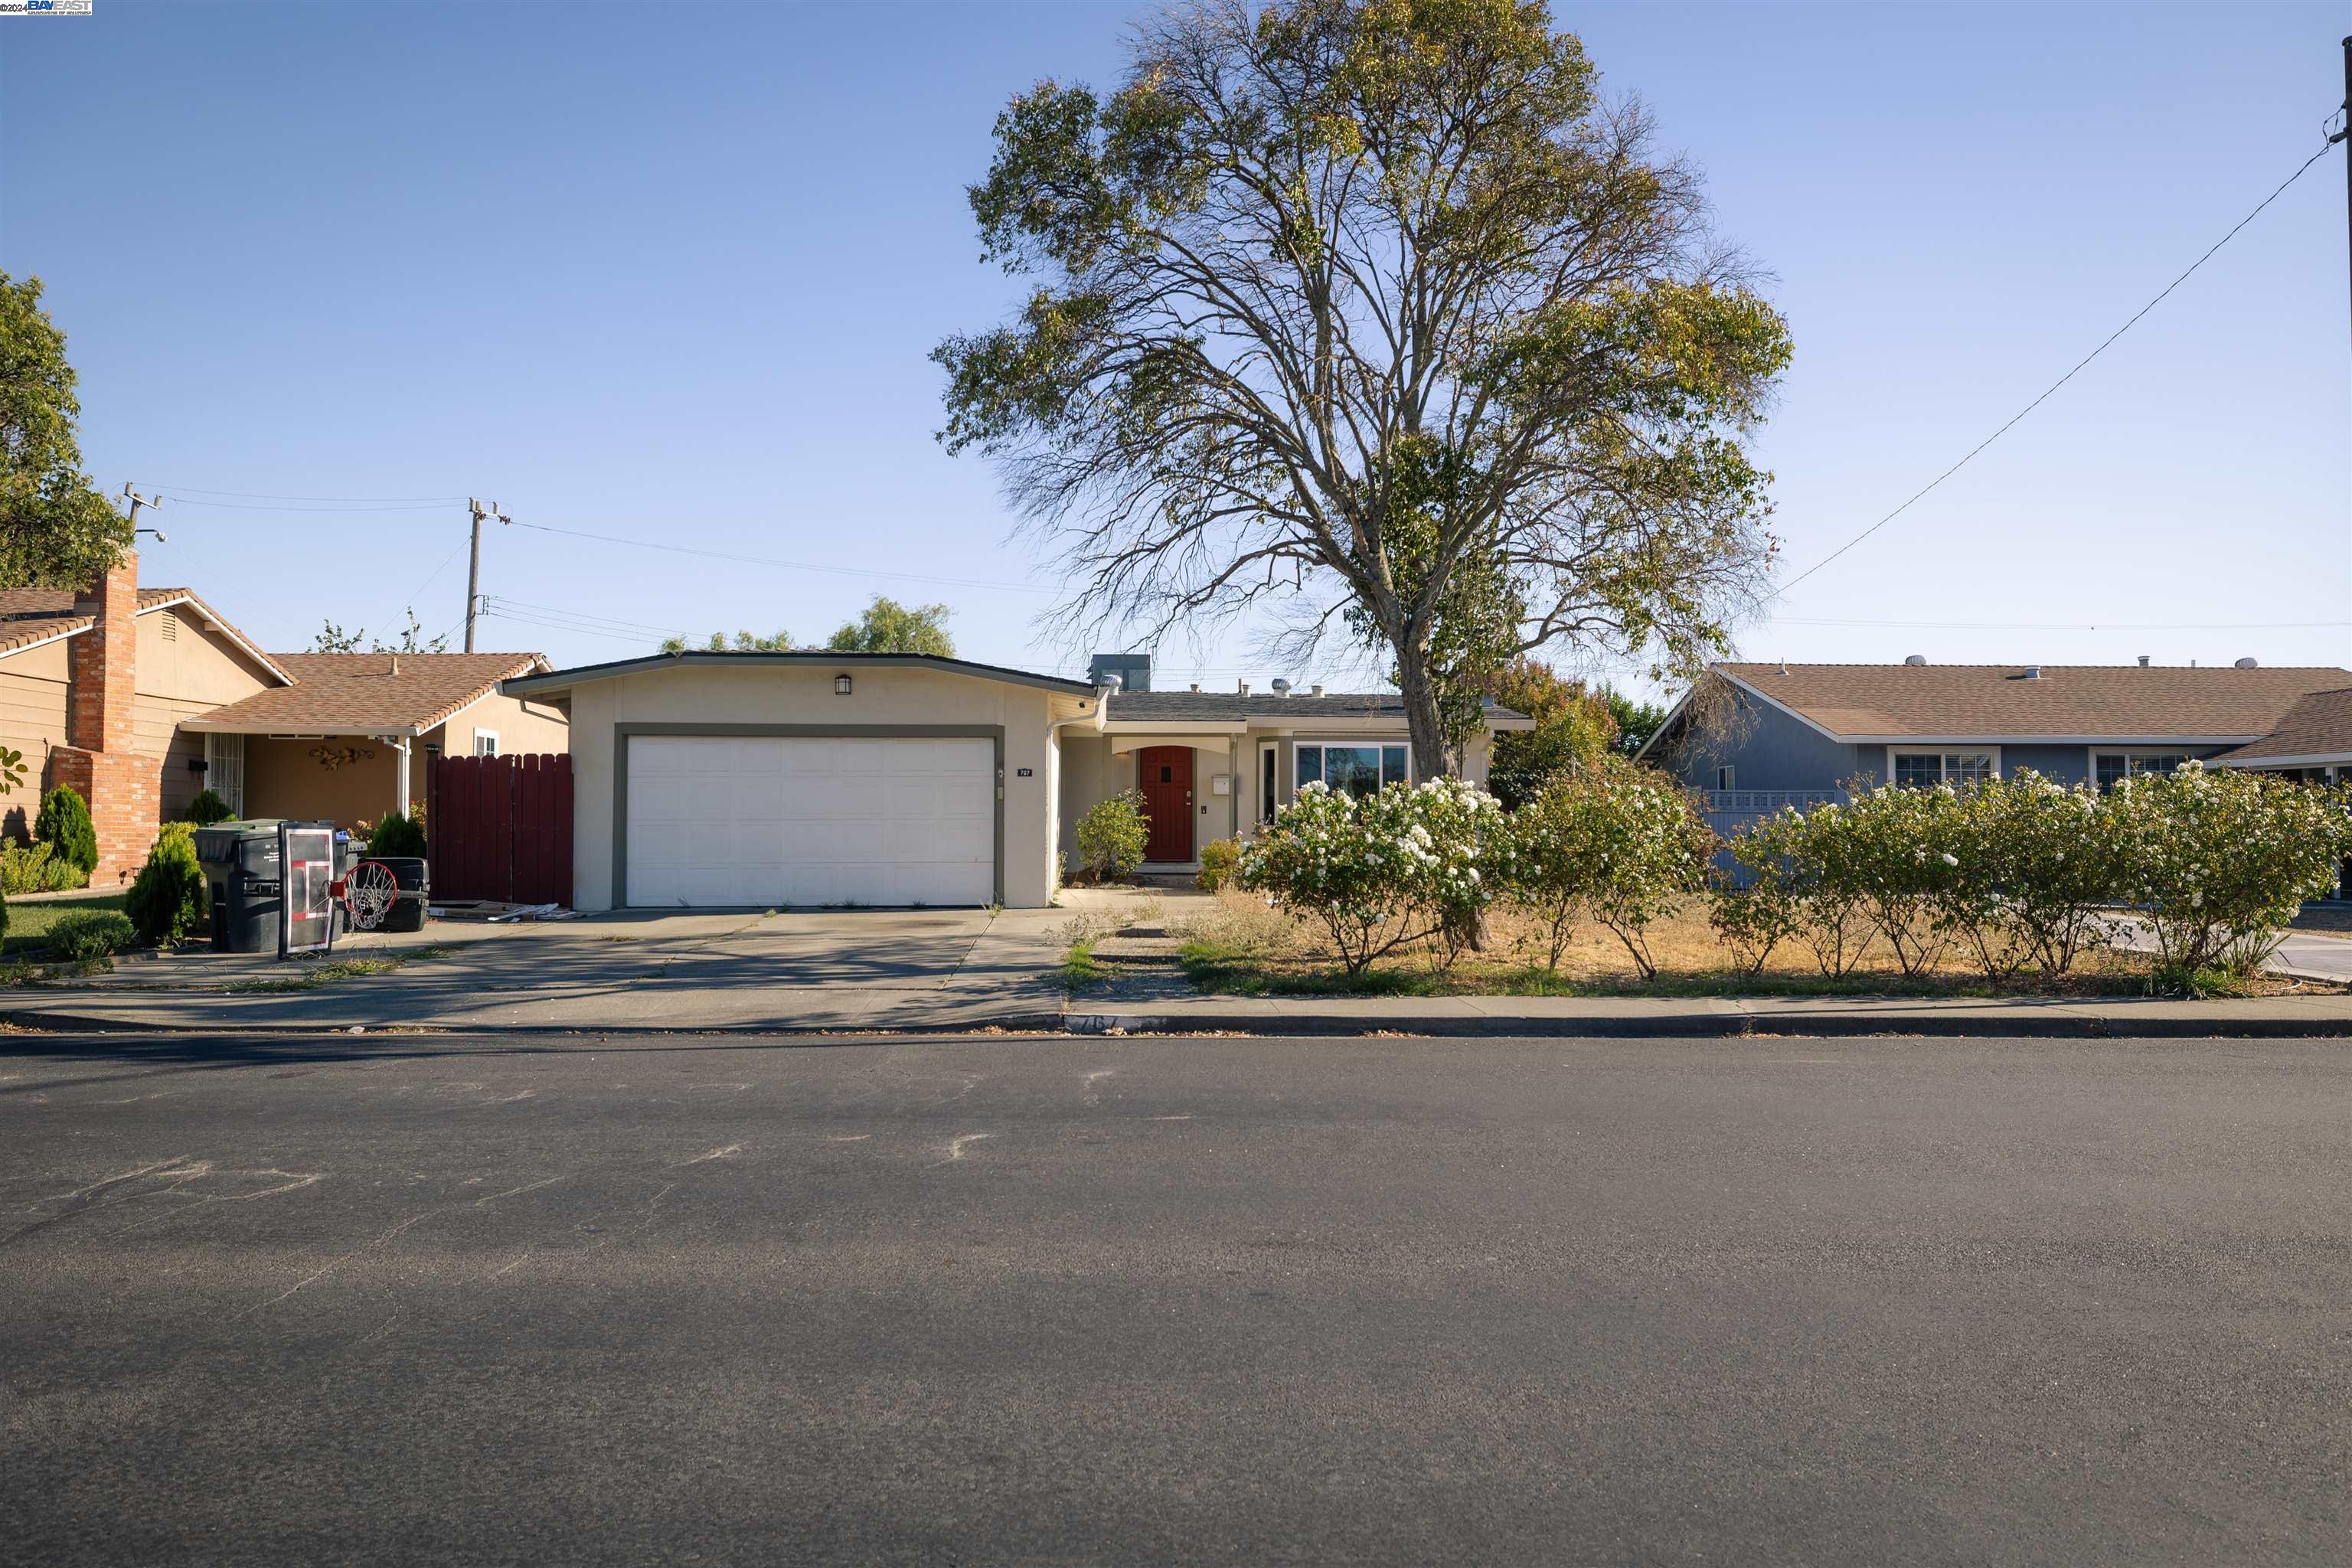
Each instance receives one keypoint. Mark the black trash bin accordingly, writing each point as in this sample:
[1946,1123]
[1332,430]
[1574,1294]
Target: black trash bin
[415,883]
[247,883]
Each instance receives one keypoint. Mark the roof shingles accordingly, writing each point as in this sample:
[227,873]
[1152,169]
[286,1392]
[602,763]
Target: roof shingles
[358,693]
[2067,701]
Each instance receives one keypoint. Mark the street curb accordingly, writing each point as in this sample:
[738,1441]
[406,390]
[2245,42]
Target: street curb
[1691,1025]
[81,1024]
[1730,1026]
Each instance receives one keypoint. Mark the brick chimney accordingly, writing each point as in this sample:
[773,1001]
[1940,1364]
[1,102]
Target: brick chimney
[99,759]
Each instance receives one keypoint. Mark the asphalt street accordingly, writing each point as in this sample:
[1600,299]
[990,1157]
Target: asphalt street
[472,1301]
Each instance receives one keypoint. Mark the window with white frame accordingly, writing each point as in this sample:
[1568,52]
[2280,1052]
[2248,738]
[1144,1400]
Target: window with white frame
[2111,768]
[1359,770]
[1919,769]
[485,743]
[1727,777]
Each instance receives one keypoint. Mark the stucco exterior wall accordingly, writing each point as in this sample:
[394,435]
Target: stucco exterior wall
[183,671]
[523,729]
[283,779]
[883,698]
[33,720]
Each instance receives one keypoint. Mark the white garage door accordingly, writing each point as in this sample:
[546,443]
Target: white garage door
[717,820]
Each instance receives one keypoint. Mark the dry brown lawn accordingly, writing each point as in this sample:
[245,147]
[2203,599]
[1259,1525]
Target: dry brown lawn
[1239,945]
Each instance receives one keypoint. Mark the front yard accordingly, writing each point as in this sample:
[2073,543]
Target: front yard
[31,920]
[1233,943]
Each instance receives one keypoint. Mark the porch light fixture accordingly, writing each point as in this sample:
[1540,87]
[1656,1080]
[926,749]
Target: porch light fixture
[841,685]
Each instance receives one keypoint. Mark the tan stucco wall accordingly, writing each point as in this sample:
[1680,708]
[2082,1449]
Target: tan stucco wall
[182,672]
[189,672]
[282,779]
[756,694]
[524,729]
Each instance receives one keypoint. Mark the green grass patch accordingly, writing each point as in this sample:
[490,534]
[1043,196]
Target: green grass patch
[1081,971]
[29,922]
[326,972]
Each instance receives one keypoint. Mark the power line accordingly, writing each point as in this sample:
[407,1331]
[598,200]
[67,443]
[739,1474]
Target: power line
[494,613]
[261,506]
[2075,626]
[2054,386]
[561,613]
[264,495]
[790,565]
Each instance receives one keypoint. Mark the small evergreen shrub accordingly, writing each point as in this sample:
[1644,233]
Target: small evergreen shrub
[64,825]
[36,869]
[395,834]
[1218,858]
[1112,835]
[88,935]
[167,899]
[208,808]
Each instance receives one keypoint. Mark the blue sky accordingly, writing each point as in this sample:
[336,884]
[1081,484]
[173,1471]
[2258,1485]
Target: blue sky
[671,273]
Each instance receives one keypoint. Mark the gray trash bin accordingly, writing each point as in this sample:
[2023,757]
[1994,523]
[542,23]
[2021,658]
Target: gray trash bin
[242,873]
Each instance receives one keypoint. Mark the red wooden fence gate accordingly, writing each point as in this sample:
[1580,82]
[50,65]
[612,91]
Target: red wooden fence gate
[501,827]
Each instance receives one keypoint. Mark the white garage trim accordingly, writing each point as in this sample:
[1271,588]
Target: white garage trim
[623,733]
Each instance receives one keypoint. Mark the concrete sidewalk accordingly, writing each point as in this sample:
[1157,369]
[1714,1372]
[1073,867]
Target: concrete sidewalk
[960,971]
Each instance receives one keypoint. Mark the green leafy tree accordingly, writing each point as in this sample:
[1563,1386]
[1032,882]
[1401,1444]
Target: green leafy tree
[396,833]
[332,638]
[888,627]
[207,809]
[1113,835]
[64,825]
[1635,720]
[1339,305]
[745,642]
[55,528]
[167,899]
[1573,729]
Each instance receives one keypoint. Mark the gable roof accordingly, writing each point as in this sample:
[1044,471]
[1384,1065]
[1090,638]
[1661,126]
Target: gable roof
[563,679]
[358,693]
[2068,702]
[31,616]
[2318,727]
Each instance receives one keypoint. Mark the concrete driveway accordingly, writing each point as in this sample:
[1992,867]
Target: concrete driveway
[746,968]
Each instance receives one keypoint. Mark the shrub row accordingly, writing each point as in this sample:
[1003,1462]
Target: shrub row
[2021,871]
[2006,872]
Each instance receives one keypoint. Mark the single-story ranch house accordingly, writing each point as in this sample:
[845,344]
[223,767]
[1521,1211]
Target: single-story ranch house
[142,698]
[1809,730]
[808,778]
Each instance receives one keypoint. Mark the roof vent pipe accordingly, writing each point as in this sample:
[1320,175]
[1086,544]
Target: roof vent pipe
[1914,658]
[2033,672]
[1281,687]
[2249,664]
[1243,687]
[2143,661]
[1318,691]
[1196,686]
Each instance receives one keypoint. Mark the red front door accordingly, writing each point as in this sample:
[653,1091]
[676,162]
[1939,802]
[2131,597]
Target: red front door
[1166,773]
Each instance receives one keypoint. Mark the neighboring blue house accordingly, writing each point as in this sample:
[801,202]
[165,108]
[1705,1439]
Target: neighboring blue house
[1757,736]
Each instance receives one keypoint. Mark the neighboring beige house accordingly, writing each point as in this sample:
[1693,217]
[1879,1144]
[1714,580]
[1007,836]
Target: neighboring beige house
[355,734]
[132,697]
[712,779]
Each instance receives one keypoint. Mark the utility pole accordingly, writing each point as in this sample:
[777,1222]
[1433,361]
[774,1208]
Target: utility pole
[2340,136]
[474,567]
[138,501]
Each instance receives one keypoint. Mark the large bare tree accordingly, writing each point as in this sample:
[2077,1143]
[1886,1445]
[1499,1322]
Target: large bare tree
[1378,308]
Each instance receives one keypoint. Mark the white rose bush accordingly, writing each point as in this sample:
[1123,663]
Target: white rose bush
[2217,861]
[1620,843]
[1377,872]
[2009,874]
[2023,870]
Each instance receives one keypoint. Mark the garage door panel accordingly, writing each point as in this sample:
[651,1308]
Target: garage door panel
[756,820]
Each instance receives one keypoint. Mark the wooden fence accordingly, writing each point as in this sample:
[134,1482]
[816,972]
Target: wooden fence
[501,827]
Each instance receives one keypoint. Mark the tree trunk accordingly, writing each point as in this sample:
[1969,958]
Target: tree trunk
[1432,758]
